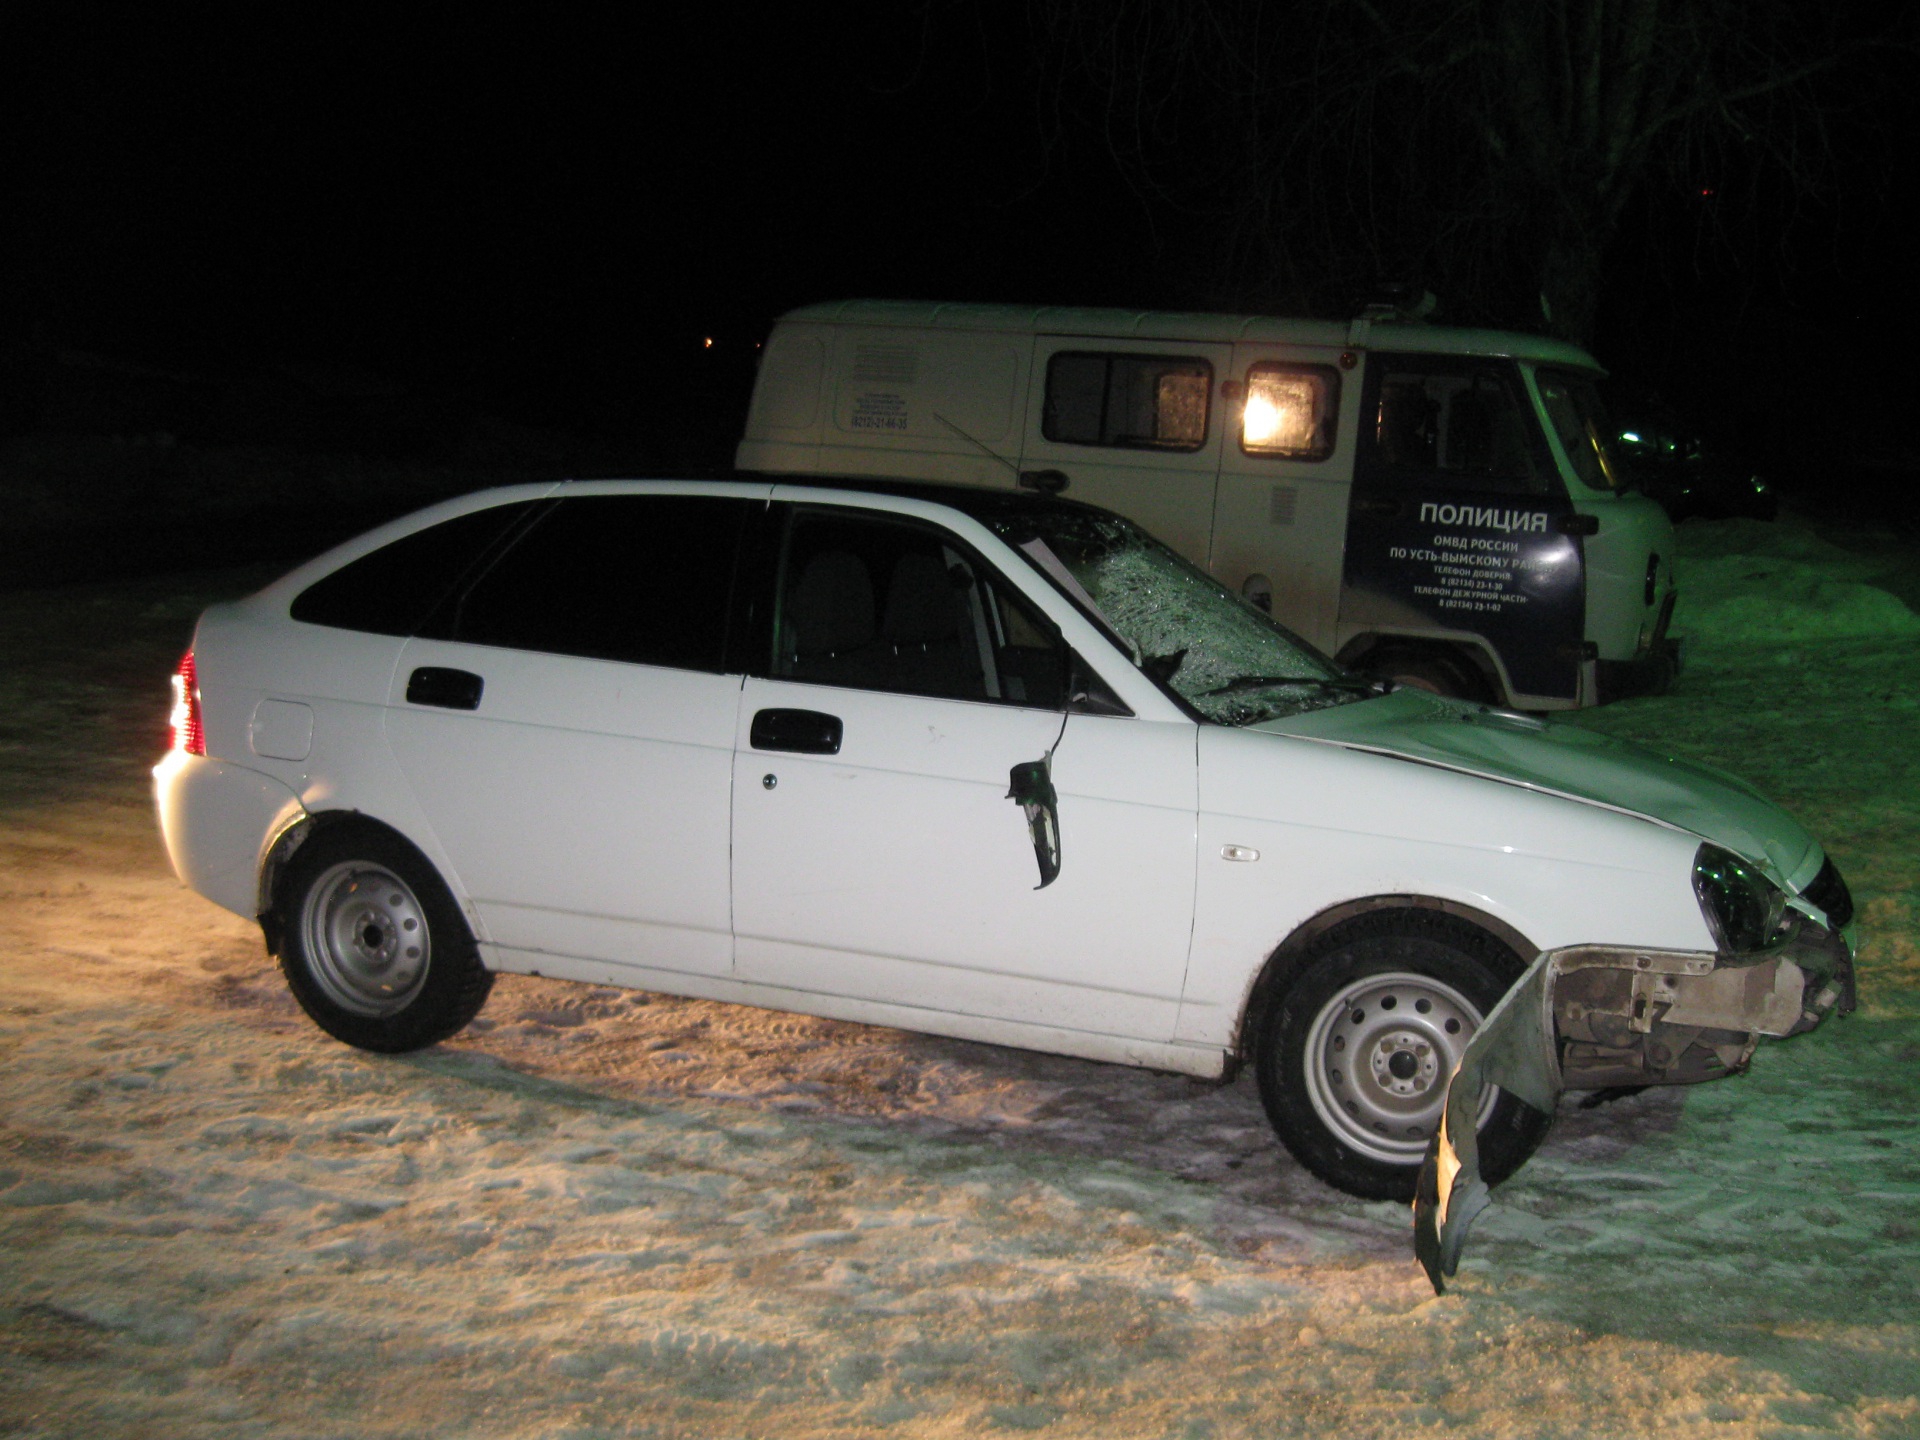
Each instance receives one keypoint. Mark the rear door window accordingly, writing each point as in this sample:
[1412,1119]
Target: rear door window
[392,590]
[644,579]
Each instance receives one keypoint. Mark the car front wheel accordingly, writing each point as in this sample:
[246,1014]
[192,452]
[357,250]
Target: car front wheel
[1353,1060]
[372,944]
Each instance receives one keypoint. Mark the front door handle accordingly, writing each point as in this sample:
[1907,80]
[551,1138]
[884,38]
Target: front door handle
[804,732]
[1376,505]
[448,689]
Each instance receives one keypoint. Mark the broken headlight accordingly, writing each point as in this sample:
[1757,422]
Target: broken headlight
[1745,911]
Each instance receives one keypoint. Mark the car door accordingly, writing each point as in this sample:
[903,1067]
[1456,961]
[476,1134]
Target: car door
[879,853]
[566,725]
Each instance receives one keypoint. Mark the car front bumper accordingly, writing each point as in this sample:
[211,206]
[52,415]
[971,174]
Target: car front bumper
[1593,1017]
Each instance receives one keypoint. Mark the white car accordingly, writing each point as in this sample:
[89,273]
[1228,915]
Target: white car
[978,763]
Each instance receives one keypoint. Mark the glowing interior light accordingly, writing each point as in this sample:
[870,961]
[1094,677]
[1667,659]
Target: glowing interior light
[1263,419]
[1631,437]
[707,344]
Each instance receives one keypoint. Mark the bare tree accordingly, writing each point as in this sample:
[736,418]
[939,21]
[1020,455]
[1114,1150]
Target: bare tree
[1490,148]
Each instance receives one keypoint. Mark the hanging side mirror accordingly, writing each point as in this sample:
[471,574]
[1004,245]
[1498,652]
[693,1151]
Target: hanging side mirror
[1030,786]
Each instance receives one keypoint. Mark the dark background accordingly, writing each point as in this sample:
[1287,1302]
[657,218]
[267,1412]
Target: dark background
[426,237]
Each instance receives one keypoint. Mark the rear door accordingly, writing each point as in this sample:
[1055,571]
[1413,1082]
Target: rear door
[1135,426]
[566,725]
[1457,525]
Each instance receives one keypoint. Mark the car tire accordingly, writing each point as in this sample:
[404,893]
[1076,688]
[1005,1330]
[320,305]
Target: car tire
[1400,992]
[372,944]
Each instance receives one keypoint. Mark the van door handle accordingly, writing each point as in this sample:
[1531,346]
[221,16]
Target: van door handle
[803,732]
[448,689]
[1374,506]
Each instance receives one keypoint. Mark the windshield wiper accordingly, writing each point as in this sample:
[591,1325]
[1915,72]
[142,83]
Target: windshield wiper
[1353,684]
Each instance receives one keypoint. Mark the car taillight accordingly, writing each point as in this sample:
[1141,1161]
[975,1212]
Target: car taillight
[189,733]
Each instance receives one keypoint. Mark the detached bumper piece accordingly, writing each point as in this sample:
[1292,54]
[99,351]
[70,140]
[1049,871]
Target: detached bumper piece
[1593,1017]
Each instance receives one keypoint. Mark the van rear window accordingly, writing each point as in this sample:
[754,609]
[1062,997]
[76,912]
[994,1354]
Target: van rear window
[1140,402]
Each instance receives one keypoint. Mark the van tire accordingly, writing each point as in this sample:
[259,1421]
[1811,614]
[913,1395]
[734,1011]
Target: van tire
[372,944]
[1400,992]
[1434,671]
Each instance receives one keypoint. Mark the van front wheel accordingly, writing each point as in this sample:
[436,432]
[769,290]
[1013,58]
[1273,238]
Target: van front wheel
[1353,1060]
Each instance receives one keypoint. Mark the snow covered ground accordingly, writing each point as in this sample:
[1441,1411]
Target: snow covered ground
[602,1213]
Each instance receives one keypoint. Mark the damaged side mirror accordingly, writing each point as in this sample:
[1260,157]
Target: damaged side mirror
[1030,786]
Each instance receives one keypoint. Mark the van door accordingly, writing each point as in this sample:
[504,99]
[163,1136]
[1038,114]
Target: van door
[1134,425]
[1458,525]
[1280,510]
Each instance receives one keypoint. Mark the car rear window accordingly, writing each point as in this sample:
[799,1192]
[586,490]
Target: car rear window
[392,590]
[644,579]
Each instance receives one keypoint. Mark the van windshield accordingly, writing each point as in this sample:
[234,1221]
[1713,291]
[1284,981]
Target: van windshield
[1580,421]
[1231,663]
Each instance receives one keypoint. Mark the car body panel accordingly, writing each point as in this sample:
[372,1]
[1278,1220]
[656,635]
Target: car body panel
[1566,759]
[583,806]
[1333,825]
[899,867]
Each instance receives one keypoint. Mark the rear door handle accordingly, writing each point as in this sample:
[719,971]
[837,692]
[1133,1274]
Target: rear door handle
[448,689]
[804,732]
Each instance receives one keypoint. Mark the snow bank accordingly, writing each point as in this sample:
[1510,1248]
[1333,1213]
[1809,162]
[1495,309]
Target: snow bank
[1748,582]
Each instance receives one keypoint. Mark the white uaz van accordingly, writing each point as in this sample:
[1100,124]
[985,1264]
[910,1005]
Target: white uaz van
[1438,506]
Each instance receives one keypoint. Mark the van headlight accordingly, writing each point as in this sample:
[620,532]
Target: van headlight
[1745,911]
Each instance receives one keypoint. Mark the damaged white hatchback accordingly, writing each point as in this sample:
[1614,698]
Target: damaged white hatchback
[982,764]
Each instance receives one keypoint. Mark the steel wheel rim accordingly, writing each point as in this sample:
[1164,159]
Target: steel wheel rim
[366,939]
[1378,1059]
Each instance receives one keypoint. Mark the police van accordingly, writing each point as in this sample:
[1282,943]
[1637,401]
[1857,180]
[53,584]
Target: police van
[1438,506]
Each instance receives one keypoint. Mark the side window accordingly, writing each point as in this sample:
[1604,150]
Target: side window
[1291,411]
[644,579]
[1141,402]
[1455,424]
[877,603]
[392,590]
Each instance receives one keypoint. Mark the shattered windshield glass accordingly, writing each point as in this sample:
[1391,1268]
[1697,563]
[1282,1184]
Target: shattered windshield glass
[1233,664]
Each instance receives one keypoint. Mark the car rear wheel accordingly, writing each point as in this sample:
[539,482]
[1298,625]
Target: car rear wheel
[372,944]
[1354,1058]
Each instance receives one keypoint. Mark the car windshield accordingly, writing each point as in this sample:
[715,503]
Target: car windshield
[1230,662]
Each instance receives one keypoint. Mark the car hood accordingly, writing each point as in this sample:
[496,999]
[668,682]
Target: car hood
[1569,761]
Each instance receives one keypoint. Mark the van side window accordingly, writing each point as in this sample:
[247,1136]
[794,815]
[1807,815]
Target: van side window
[875,603]
[644,579]
[1456,424]
[1140,402]
[1290,411]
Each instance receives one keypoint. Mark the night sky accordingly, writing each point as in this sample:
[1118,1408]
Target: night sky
[545,218]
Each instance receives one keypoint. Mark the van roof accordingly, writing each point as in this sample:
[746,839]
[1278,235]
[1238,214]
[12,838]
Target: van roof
[1367,333]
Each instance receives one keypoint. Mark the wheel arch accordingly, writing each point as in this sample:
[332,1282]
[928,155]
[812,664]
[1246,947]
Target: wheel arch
[1280,967]
[288,842]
